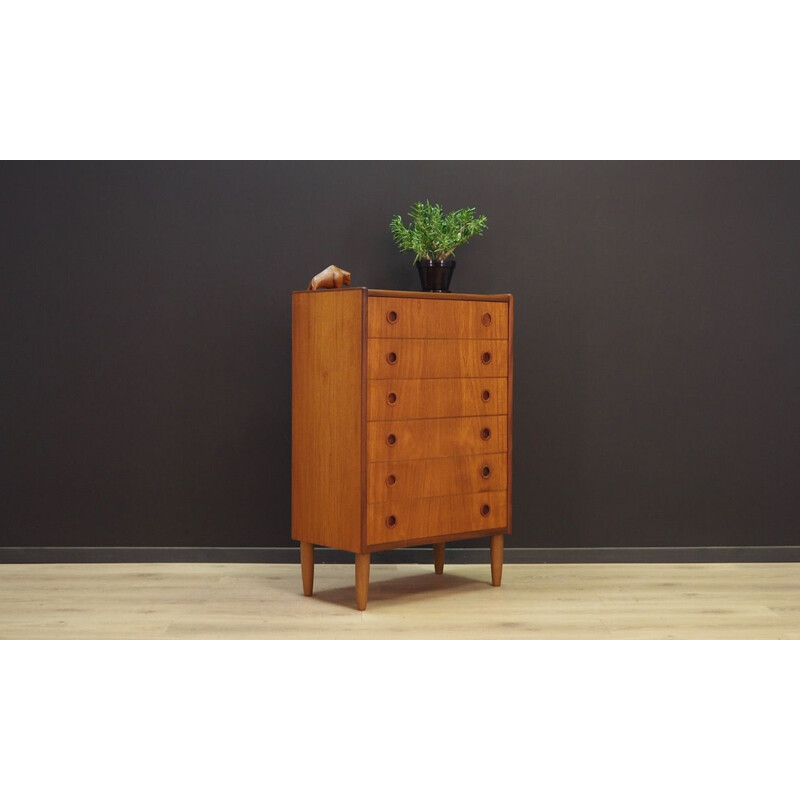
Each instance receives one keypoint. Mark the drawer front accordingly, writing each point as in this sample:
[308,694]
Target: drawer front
[405,440]
[436,477]
[406,318]
[436,397]
[403,520]
[437,358]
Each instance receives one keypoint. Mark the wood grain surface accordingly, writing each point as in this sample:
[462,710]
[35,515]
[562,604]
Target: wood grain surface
[362,580]
[425,319]
[438,558]
[327,442]
[496,549]
[510,412]
[439,409]
[307,567]
[431,477]
[434,438]
[407,601]
[437,358]
[408,398]
[439,297]
[406,520]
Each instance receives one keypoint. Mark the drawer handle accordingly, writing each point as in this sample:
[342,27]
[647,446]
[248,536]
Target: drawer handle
[391,439]
[391,480]
[391,520]
[391,316]
[486,358]
[391,398]
[486,395]
[485,510]
[486,471]
[486,434]
[391,358]
[486,319]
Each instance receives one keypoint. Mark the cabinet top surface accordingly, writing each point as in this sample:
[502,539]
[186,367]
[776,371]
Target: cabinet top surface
[501,298]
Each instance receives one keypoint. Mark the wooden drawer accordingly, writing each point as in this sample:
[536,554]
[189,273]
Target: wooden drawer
[403,520]
[437,358]
[406,318]
[436,397]
[409,439]
[435,477]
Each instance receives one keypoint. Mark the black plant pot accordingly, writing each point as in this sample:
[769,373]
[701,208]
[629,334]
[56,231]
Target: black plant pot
[435,275]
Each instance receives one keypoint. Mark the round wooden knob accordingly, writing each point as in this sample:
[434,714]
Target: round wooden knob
[485,510]
[391,480]
[486,471]
[391,398]
[391,358]
[391,520]
[486,319]
[486,395]
[486,358]
[391,316]
[391,439]
[486,434]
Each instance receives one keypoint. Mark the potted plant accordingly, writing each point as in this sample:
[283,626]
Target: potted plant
[433,237]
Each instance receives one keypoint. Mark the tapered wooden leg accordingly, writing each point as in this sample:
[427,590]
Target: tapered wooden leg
[362,580]
[497,559]
[307,567]
[438,558]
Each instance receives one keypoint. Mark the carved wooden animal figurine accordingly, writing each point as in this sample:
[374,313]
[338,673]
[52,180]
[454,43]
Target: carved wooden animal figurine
[330,278]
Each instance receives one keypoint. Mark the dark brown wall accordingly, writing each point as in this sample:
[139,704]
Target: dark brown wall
[145,348]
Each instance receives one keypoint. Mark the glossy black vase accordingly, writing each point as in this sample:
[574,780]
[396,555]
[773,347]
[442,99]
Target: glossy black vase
[435,275]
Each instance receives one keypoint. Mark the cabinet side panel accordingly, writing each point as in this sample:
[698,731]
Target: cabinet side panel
[510,395]
[327,440]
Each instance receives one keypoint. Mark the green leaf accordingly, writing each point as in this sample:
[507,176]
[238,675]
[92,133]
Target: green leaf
[434,235]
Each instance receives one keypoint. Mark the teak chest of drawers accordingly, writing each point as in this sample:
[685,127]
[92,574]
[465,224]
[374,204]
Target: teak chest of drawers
[401,423]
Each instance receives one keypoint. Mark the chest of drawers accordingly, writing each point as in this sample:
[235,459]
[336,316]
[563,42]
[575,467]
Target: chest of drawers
[401,423]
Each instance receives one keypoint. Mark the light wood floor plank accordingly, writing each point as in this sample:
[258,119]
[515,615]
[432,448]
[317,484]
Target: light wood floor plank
[265,601]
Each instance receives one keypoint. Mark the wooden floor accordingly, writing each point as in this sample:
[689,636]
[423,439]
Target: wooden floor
[265,601]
